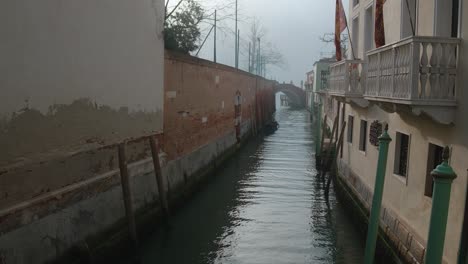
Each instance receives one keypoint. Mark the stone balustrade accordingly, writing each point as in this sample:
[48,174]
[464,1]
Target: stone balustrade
[346,78]
[415,71]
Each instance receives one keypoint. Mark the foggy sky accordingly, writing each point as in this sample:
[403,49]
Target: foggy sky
[293,26]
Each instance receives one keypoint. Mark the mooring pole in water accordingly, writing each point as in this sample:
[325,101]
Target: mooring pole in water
[318,127]
[373,228]
[330,147]
[159,177]
[127,194]
[324,126]
[443,176]
[334,160]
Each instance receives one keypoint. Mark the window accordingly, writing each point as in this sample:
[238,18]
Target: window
[446,18]
[434,158]
[369,29]
[355,35]
[408,18]
[324,79]
[355,2]
[350,128]
[401,154]
[455,10]
[363,136]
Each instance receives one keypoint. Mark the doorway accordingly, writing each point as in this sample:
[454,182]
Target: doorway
[434,158]
[446,17]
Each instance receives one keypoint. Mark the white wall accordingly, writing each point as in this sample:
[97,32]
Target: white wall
[55,51]
[58,51]
[406,197]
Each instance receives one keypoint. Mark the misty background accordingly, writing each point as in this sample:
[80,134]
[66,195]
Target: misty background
[293,27]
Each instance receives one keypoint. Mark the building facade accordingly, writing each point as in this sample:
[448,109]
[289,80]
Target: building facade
[309,85]
[415,84]
[322,70]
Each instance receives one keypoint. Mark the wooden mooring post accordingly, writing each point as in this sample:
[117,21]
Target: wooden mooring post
[127,194]
[334,160]
[159,177]
[324,127]
[329,149]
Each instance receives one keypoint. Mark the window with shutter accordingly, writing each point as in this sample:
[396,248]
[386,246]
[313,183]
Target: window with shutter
[400,167]
[363,136]
[350,128]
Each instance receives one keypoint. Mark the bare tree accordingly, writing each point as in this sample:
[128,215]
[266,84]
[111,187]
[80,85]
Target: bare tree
[330,38]
[269,54]
[194,19]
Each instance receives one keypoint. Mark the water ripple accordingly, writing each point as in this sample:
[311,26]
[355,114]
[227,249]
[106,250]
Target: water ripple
[265,206]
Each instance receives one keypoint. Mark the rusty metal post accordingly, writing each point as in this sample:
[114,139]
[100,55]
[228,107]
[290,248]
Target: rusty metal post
[159,177]
[127,194]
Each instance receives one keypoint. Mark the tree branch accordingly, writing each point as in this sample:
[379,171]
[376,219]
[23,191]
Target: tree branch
[173,10]
[165,8]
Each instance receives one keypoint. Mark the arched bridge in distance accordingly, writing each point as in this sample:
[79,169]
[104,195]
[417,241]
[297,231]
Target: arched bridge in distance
[296,95]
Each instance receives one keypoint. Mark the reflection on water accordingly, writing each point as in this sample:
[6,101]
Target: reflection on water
[265,206]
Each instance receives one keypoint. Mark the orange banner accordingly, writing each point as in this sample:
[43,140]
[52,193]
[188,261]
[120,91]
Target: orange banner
[340,26]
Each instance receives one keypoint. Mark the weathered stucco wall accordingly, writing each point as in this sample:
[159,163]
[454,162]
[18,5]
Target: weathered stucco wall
[78,73]
[76,79]
[48,205]
[405,196]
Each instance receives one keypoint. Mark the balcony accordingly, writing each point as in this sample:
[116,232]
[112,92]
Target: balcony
[418,74]
[347,80]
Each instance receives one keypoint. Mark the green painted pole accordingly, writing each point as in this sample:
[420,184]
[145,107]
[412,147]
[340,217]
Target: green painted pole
[373,228]
[443,177]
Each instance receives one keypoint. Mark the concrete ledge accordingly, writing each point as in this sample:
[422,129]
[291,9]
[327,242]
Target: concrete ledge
[87,219]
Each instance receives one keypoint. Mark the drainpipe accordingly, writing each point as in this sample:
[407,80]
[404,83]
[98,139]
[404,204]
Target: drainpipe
[373,229]
[443,176]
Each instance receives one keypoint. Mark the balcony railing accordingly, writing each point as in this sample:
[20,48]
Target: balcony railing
[346,78]
[415,71]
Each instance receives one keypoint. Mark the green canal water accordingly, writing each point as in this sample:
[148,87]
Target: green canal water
[264,206]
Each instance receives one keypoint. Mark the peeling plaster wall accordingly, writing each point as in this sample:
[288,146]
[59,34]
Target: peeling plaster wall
[49,204]
[76,73]
[76,79]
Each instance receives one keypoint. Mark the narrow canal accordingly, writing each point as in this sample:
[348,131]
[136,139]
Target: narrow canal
[265,206]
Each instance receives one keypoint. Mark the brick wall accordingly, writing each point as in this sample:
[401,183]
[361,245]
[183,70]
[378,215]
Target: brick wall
[199,103]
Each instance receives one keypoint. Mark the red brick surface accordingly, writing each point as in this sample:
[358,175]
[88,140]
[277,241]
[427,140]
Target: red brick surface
[198,90]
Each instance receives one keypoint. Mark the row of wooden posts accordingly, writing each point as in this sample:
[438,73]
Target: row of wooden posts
[126,190]
[328,157]
[160,180]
